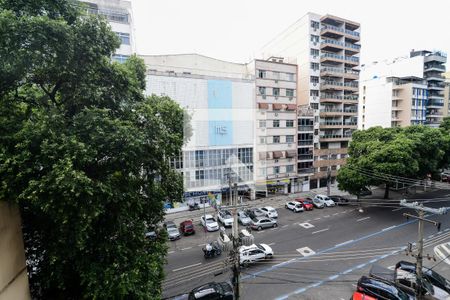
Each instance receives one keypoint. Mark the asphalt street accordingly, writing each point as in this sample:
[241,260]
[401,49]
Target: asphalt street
[319,254]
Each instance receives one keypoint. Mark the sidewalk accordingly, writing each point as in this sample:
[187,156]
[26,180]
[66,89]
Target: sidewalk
[274,201]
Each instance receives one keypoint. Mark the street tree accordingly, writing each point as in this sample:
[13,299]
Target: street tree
[84,153]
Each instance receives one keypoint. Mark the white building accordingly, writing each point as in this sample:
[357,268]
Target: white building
[120,17]
[219,96]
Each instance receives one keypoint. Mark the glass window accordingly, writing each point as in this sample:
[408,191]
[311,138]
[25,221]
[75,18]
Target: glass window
[120,58]
[314,66]
[289,93]
[124,38]
[276,75]
[199,174]
[262,123]
[314,79]
[276,139]
[314,38]
[289,123]
[262,140]
[276,123]
[261,74]
[289,139]
[314,52]
[276,91]
[289,168]
[290,76]
[262,90]
[314,93]
[276,170]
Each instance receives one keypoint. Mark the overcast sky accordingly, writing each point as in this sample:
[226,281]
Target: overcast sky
[235,29]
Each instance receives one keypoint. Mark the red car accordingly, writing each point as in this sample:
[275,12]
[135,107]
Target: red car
[361,296]
[187,227]
[307,204]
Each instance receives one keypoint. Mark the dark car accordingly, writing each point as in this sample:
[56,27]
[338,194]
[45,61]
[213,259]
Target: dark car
[381,289]
[187,227]
[365,192]
[339,200]
[433,277]
[213,291]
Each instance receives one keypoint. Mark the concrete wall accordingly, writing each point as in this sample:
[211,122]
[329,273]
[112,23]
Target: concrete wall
[375,103]
[13,273]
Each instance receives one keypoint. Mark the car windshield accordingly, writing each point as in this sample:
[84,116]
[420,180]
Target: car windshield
[436,277]
[272,210]
[172,230]
[306,202]
[260,247]
[255,220]
[210,220]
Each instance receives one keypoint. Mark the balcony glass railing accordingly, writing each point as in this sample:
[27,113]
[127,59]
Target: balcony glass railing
[351,32]
[305,142]
[331,109]
[439,67]
[305,128]
[351,97]
[332,55]
[330,96]
[436,85]
[351,110]
[111,15]
[305,170]
[331,27]
[333,42]
[330,122]
[331,136]
[351,58]
[352,46]
[350,123]
[435,103]
[351,84]
[305,156]
[331,69]
[336,83]
[351,71]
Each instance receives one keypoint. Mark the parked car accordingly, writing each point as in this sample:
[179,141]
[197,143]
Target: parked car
[253,253]
[259,223]
[365,192]
[433,277]
[381,289]
[151,235]
[225,218]
[173,233]
[270,212]
[339,200]
[325,199]
[255,212]
[169,224]
[246,238]
[361,296]
[243,218]
[318,203]
[212,290]
[307,204]
[209,223]
[294,206]
[187,227]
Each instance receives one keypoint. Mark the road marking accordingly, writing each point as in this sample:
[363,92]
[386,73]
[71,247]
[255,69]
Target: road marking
[397,209]
[271,244]
[333,277]
[307,221]
[284,226]
[187,248]
[170,252]
[317,218]
[190,266]
[305,251]
[273,228]
[200,245]
[362,219]
[327,216]
[320,231]
[335,214]
[306,225]
[388,228]
[344,243]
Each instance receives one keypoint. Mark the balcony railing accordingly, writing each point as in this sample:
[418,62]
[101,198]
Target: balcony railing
[305,170]
[351,84]
[331,136]
[336,83]
[305,156]
[350,123]
[330,96]
[351,32]
[351,58]
[351,97]
[305,142]
[350,71]
[331,27]
[331,123]
[305,128]
[111,15]
[435,103]
[333,42]
[353,46]
[331,69]
[440,67]
[332,55]
[350,110]
[331,109]
[436,85]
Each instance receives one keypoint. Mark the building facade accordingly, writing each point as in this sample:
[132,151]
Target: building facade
[119,15]
[219,96]
[276,106]
[326,50]
[404,91]
[446,107]
[305,145]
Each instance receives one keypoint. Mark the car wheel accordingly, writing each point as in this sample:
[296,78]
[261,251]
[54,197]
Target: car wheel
[270,256]
[275,225]
[259,228]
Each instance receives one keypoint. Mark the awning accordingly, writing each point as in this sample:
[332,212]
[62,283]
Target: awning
[291,107]
[277,154]
[277,106]
[291,153]
[263,105]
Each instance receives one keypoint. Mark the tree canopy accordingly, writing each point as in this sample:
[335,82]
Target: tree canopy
[84,153]
[412,152]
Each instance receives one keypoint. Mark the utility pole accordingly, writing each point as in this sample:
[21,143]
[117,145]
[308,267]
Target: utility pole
[420,209]
[328,174]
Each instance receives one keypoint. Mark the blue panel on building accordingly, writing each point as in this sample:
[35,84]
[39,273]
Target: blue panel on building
[220,103]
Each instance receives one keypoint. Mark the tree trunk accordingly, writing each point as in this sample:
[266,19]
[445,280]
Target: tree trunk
[386,191]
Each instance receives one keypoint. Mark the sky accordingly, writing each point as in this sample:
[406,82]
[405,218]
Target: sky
[234,30]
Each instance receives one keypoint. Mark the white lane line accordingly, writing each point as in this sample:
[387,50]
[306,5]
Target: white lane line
[187,248]
[362,219]
[284,226]
[388,228]
[190,266]
[320,231]
[200,245]
[344,243]
[397,209]
[273,228]
[327,216]
[170,252]
[271,244]
[317,218]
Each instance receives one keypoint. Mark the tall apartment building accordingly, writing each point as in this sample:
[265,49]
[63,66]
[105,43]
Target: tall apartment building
[326,50]
[305,145]
[119,15]
[402,92]
[276,104]
[219,96]
[446,107]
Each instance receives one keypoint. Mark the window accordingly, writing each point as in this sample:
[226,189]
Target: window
[262,123]
[314,93]
[314,105]
[124,38]
[276,139]
[289,123]
[262,171]
[314,66]
[261,74]
[276,170]
[290,76]
[315,24]
[289,139]
[314,38]
[276,75]
[262,90]
[262,140]
[276,123]
[314,52]
[289,168]
[199,174]
[289,93]
[276,92]
[120,58]
[314,79]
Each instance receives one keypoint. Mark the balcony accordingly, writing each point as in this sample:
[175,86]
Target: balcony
[111,15]
[305,171]
[437,67]
[331,71]
[330,137]
[350,111]
[305,157]
[352,98]
[331,57]
[353,46]
[350,124]
[331,85]
[329,44]
[352,86]
[352,60]
[305,128]
[435,103]
[353,35]
[436,86]
[305,142]
[435,96]
[332,31]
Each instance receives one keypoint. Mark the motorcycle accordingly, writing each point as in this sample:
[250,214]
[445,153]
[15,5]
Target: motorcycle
[215,250]
[194,206]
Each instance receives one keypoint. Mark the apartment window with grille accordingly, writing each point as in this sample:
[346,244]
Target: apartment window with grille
[314,66]
[289,93]
[124,38]
[276,92]
[314,52]
[314,105]
[261,74]
[314,79]
[289,139]
[199,174]
[262,90]
[315,24]
[314,93]
[262,123]
[289,123]
[314,38]
[289,168]
[276,139]
[276,123]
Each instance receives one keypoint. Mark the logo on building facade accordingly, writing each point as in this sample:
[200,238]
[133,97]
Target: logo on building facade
[222,130]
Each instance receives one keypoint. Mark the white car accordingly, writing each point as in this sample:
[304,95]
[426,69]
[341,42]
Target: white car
[325,199]
[225,218]
[270,212]
[253,253]
[209,223]
[294,206]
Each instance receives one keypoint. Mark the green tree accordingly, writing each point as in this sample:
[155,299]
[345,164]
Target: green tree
[84,153]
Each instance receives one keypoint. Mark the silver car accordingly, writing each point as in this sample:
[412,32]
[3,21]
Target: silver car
[259,223]
[243,218]
[173,233]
